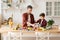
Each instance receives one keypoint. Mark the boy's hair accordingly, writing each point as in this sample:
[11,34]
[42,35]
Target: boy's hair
[42,14]
[29,6]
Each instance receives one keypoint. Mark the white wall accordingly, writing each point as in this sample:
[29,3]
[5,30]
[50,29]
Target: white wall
[17,13]
[38,8]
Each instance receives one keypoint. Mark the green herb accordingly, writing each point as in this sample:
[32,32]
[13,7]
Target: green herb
[50,22]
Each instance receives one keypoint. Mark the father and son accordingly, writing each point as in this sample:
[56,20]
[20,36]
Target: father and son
[28,19]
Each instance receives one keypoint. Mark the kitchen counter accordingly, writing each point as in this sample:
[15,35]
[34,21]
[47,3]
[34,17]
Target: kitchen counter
[33,35]
[50,31]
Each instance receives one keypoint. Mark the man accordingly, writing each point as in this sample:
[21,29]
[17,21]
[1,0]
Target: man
[28,18]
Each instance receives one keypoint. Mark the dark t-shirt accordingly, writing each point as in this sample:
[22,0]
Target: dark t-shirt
[43,24]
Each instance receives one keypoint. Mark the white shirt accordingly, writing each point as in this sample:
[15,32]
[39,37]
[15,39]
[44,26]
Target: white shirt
[41,21]
[29,18]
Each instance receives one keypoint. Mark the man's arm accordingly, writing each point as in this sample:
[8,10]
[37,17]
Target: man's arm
[24,21]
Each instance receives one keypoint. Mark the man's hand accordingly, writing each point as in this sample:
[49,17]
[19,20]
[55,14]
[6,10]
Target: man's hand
[30,24]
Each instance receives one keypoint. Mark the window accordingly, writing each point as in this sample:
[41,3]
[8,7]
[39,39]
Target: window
[48,8]
[57,8]
[53,8]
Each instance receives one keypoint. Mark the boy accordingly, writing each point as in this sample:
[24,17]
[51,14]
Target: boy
[42,20]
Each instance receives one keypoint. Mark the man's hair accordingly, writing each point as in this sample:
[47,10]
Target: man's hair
[29,6]
[42,14]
